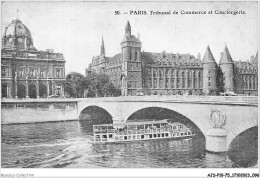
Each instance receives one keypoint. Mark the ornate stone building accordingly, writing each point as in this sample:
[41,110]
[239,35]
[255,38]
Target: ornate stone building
[25,71]
[134,70]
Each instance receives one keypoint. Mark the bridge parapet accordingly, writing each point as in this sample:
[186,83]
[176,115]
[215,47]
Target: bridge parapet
[186,98]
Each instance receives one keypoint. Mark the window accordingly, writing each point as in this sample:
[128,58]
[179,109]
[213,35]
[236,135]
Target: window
[58,73]
[21,72]
[42,73]
[4,71]
[58,89]
[4,90]
[32,72]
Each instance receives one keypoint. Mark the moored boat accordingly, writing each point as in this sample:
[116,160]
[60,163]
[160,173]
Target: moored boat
[132,131]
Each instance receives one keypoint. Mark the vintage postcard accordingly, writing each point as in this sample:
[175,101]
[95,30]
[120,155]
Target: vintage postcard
[101,85]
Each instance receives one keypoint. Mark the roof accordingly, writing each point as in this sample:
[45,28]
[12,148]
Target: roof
[128,24]
[208,57]
[18,28]
[132,38]
[151,58]
[225,57]
[175,123]
[115,59]
[138,123]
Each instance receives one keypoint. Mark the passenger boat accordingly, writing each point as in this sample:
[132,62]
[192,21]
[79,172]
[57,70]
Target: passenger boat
[132,131]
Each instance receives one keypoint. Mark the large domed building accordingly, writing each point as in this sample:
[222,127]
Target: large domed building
[17,36]
[27,72]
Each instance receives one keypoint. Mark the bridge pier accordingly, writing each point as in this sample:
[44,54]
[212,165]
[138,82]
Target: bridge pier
[216,140]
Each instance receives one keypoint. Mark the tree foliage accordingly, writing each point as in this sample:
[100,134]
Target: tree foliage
[96,85]
[74,83]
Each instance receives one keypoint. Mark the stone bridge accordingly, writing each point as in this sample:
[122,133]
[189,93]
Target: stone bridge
[239,112]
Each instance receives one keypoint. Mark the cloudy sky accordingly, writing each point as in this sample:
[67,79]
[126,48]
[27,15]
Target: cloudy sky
[75,28]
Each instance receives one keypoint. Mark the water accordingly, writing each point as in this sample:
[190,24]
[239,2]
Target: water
[68,144]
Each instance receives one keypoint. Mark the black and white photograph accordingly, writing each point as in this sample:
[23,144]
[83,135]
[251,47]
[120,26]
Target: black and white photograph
[88,87]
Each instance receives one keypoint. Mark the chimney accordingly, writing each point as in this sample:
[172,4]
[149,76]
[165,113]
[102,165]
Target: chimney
[198,56]
[163,54]
[177,55]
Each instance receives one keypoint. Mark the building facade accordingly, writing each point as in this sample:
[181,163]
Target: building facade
[27,72]
[134,70]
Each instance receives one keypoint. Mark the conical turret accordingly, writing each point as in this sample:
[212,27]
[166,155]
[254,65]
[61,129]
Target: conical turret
[227,67]
[226,57]
[208,57]
[209,72]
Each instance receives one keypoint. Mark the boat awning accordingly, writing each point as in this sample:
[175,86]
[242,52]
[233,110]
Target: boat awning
[137,123]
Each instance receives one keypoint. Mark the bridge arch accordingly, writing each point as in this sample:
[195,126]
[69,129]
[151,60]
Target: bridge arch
[232,134]
[96,114]
[201,124]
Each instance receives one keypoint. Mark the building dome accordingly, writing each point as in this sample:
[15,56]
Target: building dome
[17,36]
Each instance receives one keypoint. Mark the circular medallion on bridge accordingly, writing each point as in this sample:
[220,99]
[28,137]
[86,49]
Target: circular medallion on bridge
[217,118]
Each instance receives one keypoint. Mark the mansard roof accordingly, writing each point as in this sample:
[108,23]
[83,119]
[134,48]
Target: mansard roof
[152,58]
[208,57]
[225,57]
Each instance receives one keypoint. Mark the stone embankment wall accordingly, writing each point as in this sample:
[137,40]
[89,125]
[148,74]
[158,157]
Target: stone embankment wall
[30,112]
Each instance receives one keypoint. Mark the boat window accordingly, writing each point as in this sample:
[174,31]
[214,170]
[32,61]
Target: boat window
[138,136]
[173,135]
[116,138]
[166,135]
[142,136]
[177,134]
[129,137]
[150,136]
[121,137]
[104,136]
[193,132]
[125,138]
[181,133]
[97,136]
[110,135]
[159,135]
[188,133]
[134,137]
[163,135]
[154,135]
[185,133]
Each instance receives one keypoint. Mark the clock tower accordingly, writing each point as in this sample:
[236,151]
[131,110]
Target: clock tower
[131,78]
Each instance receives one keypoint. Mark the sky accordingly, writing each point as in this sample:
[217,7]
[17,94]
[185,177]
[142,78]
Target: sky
[76,28]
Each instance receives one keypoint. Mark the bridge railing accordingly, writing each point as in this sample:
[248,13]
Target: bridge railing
[191,98]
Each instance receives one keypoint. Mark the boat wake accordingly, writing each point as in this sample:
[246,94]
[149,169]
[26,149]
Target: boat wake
[77,147]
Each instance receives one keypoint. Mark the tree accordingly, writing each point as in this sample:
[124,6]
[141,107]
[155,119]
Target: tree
[95,85]
[75,83]
[101,86]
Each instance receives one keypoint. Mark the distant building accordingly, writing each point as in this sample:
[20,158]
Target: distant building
[27,72]
[166,73]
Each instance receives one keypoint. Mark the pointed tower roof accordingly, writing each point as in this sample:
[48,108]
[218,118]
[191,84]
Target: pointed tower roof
[208,57]
[102,43]
[226,57]
[128,24]
[102,47]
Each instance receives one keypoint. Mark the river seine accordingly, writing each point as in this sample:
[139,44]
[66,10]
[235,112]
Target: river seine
[68,144]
